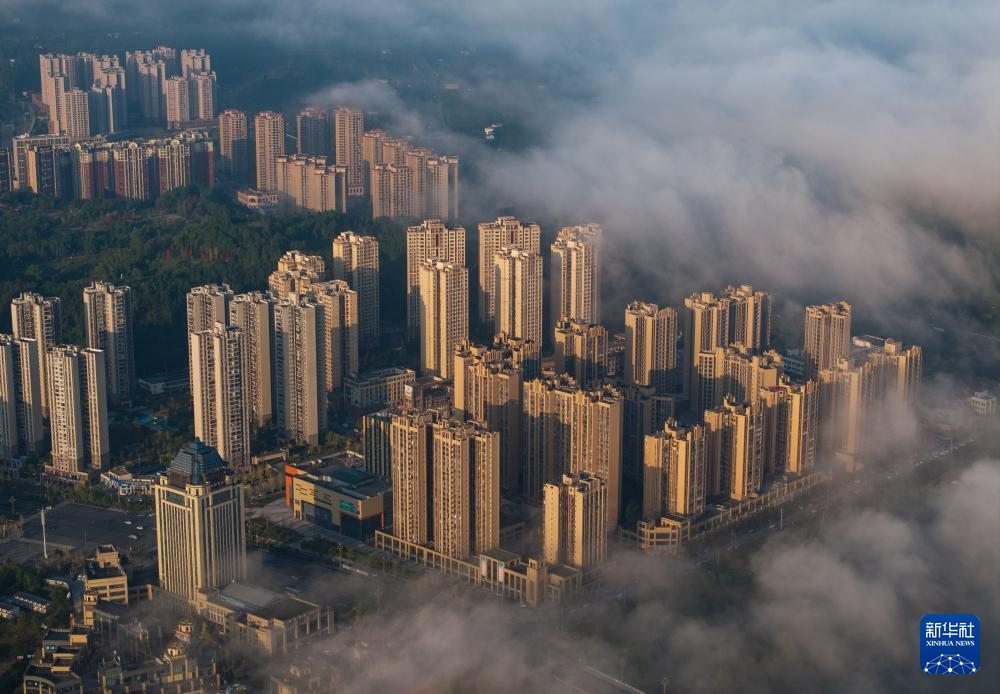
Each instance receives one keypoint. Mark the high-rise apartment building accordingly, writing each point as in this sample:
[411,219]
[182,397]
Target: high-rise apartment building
[178,101]
[49,171]
[308,183]
[349,126]
[20,397]
[6,170]
[93,171]
[651,347]
[574,530]
[567,429]
[644,412]
[431,240]
[78,411]
[442,187]
[412,478]
[313,130]
[750,317]
[505,231]
[296,273]
[202,88]
[206,306]
[581,351]
[355,260]
[576,274]
[269,131]
[194,61]
[253,313]
[466,488]
[75,117]
[827,336]
[674,479]
[376,433]
[391,190]
[300,368]
[736,372]
[220,393]
[416,161]
[488,391]
[706,328]
[735,450]
[900,368]
[339,304]
[135,170]
[38,318]
[108,320]
[518,293]
[791,420]
[21,145]
[444,315]
[234,143]
[200,530]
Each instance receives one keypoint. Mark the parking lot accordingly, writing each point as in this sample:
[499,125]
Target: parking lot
[71,526]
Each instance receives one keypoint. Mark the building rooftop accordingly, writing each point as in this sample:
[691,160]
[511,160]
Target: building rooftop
[344,472]
[196,463]
[261,602]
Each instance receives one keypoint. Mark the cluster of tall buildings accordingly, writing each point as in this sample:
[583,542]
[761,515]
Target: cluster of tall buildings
[131,169]
[336,158]
[695,408]
[283,354]
[88,94]
[68,386]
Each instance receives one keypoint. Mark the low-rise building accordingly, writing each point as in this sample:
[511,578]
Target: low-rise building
[30,601]
[105,575]
[166,382]
[339,493]
[983,403]
[373,390]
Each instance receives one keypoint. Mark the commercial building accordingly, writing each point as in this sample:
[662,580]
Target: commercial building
[200,529]
[339,494]
[574,521]
[108,320]
[78,411]
[356,261]
[444,315]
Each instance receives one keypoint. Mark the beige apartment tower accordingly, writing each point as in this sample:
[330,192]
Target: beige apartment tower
[488,391]
[356,261]
[206,306]
[791,418]
[412,479]
[234,143]
[576,274]
[431,240]
[518,293]
[827,336]
[749,317]
[444,315]
[38,318]
[78,411]
[391,191]
[674,467]
[296,273]
[253,314]
[220,392]
[504,232]
[200,535]
[300,396]
[735,453]
[706,328]
[21,430]
[108,319]
[574,534]
[349,126]
[269,131]
[466,488]
[651,347]
[309,183]
[314,133]
[581,351]
[339,304]
[442,187]
[567,429]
